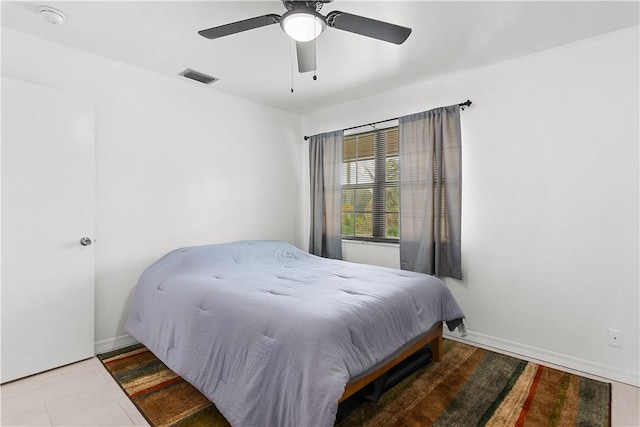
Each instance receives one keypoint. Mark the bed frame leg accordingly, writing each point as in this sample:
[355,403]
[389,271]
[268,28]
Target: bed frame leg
[436,347]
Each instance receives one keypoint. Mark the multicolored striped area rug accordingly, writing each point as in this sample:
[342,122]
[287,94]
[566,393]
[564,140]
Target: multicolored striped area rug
[470,387]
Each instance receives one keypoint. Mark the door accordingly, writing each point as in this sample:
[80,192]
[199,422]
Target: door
[48,186]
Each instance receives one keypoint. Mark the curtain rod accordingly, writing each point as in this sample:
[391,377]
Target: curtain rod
[466,103]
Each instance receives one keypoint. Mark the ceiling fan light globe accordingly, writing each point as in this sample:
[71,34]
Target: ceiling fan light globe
[302,25]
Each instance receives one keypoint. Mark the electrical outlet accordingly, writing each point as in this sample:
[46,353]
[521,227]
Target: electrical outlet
[615,338]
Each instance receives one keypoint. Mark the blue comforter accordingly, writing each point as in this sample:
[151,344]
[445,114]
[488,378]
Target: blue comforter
[271,334]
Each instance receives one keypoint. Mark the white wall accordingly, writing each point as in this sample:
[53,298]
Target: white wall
[550,199]
[177,164]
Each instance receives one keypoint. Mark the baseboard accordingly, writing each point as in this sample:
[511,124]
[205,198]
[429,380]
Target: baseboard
[499,345]
[547,357]
[116,343]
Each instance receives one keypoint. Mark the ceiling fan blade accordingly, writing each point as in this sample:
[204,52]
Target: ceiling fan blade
[240,26]
[306,56]
[368,27]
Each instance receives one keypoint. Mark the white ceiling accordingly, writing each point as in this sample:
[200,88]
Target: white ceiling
[447,37]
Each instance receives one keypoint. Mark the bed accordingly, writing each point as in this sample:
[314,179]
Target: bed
[274,336]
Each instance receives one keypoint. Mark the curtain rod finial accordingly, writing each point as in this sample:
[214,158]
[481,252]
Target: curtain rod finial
[467,103]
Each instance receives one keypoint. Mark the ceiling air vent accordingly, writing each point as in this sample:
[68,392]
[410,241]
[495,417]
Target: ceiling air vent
[198,76]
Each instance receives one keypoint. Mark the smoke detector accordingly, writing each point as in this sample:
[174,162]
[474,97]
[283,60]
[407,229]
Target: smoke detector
[52,15]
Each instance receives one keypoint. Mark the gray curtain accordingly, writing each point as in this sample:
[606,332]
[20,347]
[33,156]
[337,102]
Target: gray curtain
[430,192]
[325,166]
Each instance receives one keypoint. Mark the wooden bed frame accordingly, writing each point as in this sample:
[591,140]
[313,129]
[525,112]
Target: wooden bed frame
[433,336]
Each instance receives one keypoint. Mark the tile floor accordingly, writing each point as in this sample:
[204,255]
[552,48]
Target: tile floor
[81,394]
[84,394]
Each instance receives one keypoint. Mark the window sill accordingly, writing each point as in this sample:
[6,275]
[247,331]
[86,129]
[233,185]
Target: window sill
[369,242]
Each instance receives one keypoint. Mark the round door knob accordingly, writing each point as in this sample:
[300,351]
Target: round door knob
[85,241]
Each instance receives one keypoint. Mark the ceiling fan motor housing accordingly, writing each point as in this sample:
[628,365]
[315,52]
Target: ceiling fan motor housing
[314,5]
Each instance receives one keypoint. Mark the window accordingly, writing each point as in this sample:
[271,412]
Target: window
[370,205]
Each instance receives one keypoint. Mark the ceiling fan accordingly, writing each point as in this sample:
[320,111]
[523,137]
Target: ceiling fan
[303,23]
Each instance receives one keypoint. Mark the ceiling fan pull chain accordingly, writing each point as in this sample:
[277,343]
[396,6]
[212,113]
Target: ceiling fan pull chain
[315,53]
[293,53]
